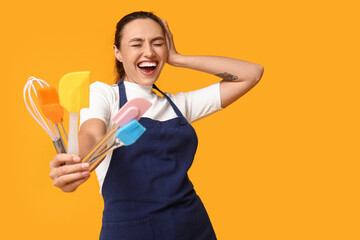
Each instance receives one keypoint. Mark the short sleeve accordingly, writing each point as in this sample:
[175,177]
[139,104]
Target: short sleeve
[200,103]
[101,96]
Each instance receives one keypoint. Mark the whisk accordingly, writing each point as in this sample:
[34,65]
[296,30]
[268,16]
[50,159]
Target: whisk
[49,103]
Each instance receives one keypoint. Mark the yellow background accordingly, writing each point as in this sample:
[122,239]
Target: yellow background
[281,163]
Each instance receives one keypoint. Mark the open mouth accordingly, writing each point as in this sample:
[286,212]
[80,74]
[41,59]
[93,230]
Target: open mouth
[147,67]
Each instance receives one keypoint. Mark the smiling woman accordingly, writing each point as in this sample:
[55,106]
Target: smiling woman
[137,45]
[146,190]
[142,51]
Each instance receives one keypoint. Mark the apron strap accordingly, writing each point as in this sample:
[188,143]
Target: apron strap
[177,111]
[122,94]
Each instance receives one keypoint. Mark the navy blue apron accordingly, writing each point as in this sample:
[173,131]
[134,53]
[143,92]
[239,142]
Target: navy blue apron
[147,193]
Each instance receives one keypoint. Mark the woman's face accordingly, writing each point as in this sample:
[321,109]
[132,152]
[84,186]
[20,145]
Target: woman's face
[143,51]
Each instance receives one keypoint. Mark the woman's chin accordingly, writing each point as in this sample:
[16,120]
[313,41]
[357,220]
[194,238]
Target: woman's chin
[148,80]
[143,81]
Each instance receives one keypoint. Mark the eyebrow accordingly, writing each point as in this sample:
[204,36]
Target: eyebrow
[141,40]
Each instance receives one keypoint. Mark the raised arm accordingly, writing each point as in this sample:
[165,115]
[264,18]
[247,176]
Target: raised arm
[238,76]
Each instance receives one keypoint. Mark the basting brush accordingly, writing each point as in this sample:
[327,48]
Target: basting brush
[51,108]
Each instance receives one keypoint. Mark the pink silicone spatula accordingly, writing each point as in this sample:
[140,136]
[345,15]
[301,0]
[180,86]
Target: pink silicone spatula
[133,109]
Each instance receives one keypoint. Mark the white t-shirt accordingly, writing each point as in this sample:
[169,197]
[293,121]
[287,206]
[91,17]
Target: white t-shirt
[104,104]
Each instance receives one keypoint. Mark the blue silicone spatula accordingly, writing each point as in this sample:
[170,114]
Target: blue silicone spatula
[125,136]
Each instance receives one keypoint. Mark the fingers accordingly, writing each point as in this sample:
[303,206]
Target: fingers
[61,159]
[167,29]
[74,185]
[70,179]
[68,169]
[168,34]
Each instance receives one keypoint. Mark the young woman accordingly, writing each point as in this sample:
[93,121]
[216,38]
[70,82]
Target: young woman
[145,186]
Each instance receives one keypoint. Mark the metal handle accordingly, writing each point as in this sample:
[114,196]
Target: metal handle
[59,145]
[100,145]
[96,160]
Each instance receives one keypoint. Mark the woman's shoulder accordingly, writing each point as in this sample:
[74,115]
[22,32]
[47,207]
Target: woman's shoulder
[103,88]
[205,92]
[198,103]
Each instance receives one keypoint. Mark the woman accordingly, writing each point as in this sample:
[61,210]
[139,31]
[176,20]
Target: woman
[146,190]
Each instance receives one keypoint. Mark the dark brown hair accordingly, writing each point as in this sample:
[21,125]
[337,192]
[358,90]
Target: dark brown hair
[118,34]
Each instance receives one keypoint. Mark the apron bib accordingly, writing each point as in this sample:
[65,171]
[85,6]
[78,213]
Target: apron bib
[147,193]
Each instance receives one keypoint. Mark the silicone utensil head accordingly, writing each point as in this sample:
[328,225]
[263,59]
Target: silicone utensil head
[47,95]
[74,91]
[131,110]
[131,132]
[50,105]
[126,116]
[54,112]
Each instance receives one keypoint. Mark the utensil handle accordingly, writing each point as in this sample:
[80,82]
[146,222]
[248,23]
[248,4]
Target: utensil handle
[94,162]
[108,139]
[73,142]
[59,145]
[100,145]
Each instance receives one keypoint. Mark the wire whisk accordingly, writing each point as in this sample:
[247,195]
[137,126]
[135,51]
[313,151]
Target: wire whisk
[51,109]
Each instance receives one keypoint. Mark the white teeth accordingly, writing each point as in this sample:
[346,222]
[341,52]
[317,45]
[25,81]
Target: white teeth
[147,64]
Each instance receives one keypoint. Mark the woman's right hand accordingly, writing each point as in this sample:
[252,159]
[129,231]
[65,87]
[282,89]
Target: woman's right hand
[67,172]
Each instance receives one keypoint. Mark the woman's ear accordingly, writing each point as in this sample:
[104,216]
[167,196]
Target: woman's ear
[117,53]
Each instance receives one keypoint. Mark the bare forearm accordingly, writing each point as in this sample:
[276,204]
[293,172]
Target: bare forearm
[86,141]
[228,69]
[90,133]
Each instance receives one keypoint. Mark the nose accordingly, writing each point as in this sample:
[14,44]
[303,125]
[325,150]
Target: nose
[149,51]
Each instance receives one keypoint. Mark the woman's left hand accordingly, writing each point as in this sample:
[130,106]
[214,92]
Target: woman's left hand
[173,55]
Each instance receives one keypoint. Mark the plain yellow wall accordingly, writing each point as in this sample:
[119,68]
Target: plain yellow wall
[281,163]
